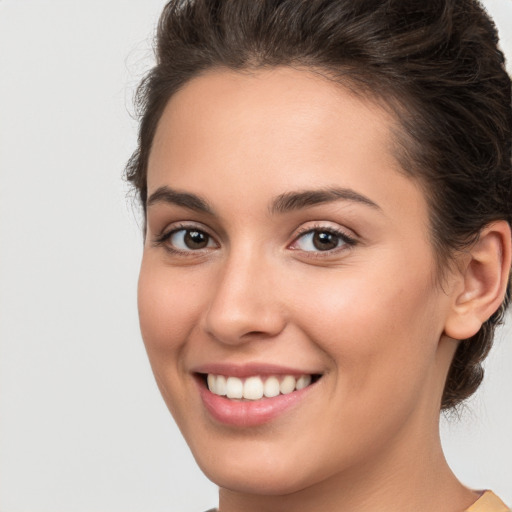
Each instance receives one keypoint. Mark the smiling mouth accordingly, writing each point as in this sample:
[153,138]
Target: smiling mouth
[257,387]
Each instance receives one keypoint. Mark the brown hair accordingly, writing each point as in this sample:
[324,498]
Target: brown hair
[435,62]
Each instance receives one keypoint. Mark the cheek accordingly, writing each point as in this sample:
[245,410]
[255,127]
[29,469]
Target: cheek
[167,314]
[381,334]
[167,309]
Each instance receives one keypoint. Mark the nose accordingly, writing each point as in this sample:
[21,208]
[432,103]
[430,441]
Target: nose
[245,302]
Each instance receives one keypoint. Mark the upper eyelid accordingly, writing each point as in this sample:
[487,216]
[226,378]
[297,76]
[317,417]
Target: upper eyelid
[349,240]
[322,226]
[338,233]
[178,226]
[165,234]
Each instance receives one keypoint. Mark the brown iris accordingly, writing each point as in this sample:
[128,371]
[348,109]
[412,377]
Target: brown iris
[325,241]
[195,239]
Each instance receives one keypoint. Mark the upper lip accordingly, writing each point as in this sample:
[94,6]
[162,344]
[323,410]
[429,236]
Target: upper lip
[250,369]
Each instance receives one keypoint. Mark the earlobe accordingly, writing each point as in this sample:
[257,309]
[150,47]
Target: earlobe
[484,278]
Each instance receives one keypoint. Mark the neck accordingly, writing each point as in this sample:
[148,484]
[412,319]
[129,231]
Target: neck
[396,480]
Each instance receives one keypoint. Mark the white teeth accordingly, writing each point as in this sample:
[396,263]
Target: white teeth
[212,383]
[271,387]
[303,381]
[217,384]
[234,388]
[287,385]
[255,388]
[221,385]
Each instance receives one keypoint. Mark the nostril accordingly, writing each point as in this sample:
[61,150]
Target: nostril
[238,315]
[256,334]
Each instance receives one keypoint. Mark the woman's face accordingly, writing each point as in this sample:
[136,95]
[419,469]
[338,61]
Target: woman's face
[284,246]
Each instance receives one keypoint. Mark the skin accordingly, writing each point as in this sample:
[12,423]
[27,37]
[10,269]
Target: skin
[371,317]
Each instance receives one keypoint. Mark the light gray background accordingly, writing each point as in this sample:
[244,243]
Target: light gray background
[82,426]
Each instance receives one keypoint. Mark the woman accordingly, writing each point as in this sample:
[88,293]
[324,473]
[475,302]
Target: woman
[327,192]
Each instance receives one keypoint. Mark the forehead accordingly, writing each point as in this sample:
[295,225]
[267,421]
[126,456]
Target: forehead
[238,134]
[278,106]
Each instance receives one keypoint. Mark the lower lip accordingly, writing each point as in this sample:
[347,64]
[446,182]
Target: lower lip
[249,413]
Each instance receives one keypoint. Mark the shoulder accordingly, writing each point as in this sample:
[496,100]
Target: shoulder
[488,502]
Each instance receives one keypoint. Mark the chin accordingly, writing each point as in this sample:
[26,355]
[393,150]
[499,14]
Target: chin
[260,470]
[256,482]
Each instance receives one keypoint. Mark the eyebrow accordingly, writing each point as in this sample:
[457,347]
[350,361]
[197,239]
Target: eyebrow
[290,201]
[168,195]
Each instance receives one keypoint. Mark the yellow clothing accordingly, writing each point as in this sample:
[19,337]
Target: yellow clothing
[488,502]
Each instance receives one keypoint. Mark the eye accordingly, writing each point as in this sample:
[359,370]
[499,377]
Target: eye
[186,240]
[322,240]
[190,239]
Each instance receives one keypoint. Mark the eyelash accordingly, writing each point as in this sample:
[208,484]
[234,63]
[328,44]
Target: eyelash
[162,239]
[348,241]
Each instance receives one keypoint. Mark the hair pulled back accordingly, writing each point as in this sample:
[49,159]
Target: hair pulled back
[435,62]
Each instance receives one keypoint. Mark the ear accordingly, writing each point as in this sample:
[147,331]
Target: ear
[483,281]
